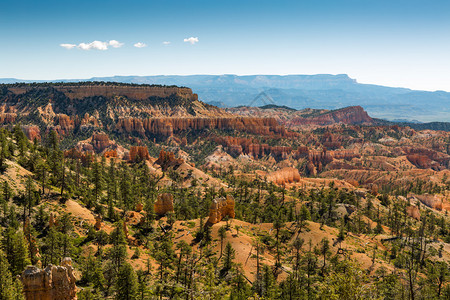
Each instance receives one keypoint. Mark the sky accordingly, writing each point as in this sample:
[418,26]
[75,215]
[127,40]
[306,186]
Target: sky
[387,42]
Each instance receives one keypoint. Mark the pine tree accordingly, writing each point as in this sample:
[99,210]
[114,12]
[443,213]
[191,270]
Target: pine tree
[16,250]
[6,281]
[222,234]
[97,178]
[228,258]
[127,283]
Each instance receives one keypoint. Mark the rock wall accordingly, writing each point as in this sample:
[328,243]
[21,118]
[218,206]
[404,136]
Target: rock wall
[284,176]
[220,208]
[169,126]
[52,283]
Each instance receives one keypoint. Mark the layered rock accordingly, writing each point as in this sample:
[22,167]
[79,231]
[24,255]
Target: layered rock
[164,204]
[168,126]
[98,222]
[52,283]
[284,176]
[138,92]
[221,208]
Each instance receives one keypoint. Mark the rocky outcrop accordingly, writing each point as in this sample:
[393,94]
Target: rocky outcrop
[238,145]
[168,126]
[221,208]
[32,132]
[139,207]
[421,161]
[100,141]
[139,153]
[65,124]
[163,204]
[167,160]
[52,283]
[429,200]
[110,153]
[347,115]
[284,176]
[424,158]
[413,212]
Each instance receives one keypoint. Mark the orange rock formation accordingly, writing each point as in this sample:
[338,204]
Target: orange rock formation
[284,176]
[167,160]
[52,283]
[220,208]
[139,152]
[164,204]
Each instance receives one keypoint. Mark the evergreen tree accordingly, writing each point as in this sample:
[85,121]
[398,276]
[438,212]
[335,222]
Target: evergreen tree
[228,258]
[127,283]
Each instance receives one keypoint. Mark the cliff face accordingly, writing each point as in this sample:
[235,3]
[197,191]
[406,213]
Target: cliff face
[109,91]
[52,283]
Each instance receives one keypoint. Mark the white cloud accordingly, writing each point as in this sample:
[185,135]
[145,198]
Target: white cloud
[140,45]
[68,46]
[97,45]
[115,44]
[166,43]
[191,40]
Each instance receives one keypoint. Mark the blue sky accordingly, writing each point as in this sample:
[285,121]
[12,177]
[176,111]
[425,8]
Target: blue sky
[394,43]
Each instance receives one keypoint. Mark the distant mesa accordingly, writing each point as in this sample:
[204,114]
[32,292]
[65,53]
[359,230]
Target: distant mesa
[108,89]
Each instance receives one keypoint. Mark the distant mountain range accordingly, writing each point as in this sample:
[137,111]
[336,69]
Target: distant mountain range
[302,91]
